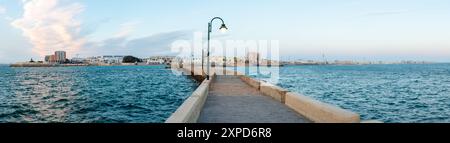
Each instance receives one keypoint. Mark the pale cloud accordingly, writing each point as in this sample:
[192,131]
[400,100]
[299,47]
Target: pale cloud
[126,29]
[388,12]
[8,18]
[157,44]
[2,10]
[50,26]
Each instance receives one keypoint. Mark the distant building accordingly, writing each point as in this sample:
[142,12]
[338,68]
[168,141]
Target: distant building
[47,58]
[78,60]
[57,57]
[253,57]
[110,59]
[156,60]
[50,59]
[60,56]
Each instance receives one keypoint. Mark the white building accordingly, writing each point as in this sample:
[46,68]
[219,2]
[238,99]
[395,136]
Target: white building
[109,59]
[60,56]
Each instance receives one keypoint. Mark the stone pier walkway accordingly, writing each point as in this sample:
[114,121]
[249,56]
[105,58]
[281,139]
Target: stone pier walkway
[231,100]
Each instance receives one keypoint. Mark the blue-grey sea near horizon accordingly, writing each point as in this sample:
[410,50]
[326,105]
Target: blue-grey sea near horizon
[116,94]
[142,94]
[409,93]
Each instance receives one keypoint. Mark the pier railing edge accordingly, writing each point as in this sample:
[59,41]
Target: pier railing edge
[315,110]
[190,110]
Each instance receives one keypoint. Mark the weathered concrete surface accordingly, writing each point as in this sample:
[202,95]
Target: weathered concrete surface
[231,86]
[231,100]
[274,91]
[320,112]
[252,82]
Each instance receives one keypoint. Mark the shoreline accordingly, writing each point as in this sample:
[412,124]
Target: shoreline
[100,65]
[45,65]
[41,65]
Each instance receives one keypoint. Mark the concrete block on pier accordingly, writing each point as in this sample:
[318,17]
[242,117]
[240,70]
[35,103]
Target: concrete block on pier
[273,91]
[252,82]
[320,112]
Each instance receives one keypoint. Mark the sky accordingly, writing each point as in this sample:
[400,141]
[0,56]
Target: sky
[388,30]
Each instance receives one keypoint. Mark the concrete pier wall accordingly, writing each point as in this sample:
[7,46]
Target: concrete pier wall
[189,111]
[319,112]
[252,82]
[274,91]
[312,109]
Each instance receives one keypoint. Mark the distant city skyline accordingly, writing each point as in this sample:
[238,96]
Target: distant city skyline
[381,30]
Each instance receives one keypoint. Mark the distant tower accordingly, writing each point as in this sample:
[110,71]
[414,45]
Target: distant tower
[60,56]
[324,58]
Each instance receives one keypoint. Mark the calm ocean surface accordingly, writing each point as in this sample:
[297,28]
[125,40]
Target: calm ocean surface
[390,93]
[136,94]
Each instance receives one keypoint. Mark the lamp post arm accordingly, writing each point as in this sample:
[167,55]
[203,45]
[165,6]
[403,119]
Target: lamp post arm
[217,18]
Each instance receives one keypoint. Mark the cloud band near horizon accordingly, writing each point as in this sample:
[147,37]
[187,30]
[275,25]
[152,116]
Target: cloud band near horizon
[50,26]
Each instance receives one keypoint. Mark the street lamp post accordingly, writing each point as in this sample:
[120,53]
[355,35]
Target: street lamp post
[222,28]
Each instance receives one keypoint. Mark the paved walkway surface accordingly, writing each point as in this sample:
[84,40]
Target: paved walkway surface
[231,100]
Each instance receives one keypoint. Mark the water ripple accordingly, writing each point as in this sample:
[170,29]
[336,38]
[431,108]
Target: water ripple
[391,93]
[91,94]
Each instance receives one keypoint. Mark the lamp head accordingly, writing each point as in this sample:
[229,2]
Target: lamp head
[223,28]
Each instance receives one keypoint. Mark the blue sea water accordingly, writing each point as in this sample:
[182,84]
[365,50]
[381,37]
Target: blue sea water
[136,94]
[117,94]
[390,93]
